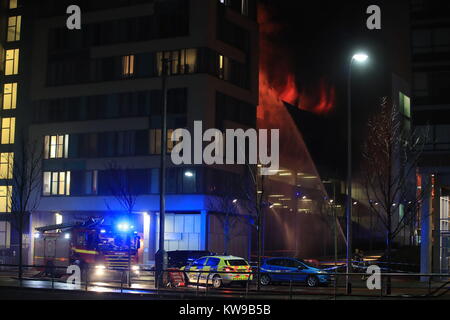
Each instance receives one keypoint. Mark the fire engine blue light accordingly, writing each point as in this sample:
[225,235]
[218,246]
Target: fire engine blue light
[103,231]
[124,226]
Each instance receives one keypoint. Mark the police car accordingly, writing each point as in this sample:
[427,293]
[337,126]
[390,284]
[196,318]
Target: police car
[218,271]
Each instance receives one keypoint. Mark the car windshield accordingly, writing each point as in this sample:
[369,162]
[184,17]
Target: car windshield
[237,262]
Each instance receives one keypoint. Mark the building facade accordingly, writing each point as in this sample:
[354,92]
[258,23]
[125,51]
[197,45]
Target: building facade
[93,105]
[430,24]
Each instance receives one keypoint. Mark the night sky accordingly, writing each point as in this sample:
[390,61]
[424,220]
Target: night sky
[321,37]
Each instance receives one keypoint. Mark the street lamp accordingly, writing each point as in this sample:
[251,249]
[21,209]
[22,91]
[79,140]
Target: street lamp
[359,58]
[161,255]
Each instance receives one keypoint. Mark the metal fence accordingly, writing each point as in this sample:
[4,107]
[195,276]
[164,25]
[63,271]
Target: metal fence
[142,281]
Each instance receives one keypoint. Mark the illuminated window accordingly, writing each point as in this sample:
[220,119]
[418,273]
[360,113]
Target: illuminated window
[223,68]
[128,65]
[56,183]
[14,28]
[12,62]
[58,218]
[13,4]
[191,61]
[181,61]
[170,143]
[9,96]
[8,128]
[6,165]
[5,198]
[405,105]
[155,141]
[5,234]
[56,147]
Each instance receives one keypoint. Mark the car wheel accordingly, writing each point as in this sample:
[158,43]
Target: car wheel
[217,282]
[265,280]
[312,281]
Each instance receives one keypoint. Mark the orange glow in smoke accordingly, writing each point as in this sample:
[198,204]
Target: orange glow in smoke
[277,72]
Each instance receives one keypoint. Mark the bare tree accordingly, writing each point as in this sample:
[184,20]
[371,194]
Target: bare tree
[255,196]
[225,207]
[234,204]
[24,185]
[122,188]
[390,157]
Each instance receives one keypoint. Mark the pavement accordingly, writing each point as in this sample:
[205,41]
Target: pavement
[44,288]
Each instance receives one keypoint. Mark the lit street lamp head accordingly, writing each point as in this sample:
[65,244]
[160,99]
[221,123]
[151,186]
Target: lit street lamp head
[360,57]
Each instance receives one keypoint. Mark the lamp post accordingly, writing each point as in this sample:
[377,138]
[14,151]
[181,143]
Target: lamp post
[161,255]
[359,58]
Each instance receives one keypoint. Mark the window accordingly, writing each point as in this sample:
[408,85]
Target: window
[128,66]
[5,198]
[420,84]
[91,182]
[189,181]
[155,141]
[56,147]
[5,233]
[292,263]
[213,262]
[13,4]
[275,262]
[181,61]
[58,218]
[9,96]
[232,33]
[154,180]
[56,183]
[237,262]
[441,39]
[230,70]
[199,262]
[6,165]
[125,143]
[431,40]
[405,111]
[232,109]
[221,67]
[170,143]
[14,28]
[12,62]
[405,105]
[8,128]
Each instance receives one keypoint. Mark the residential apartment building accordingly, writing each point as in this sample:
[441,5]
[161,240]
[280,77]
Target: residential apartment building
[91,100]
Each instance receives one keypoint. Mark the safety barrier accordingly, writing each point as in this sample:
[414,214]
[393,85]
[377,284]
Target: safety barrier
[289,285]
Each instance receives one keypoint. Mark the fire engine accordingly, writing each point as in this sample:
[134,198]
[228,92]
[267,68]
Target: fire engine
[88,244]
